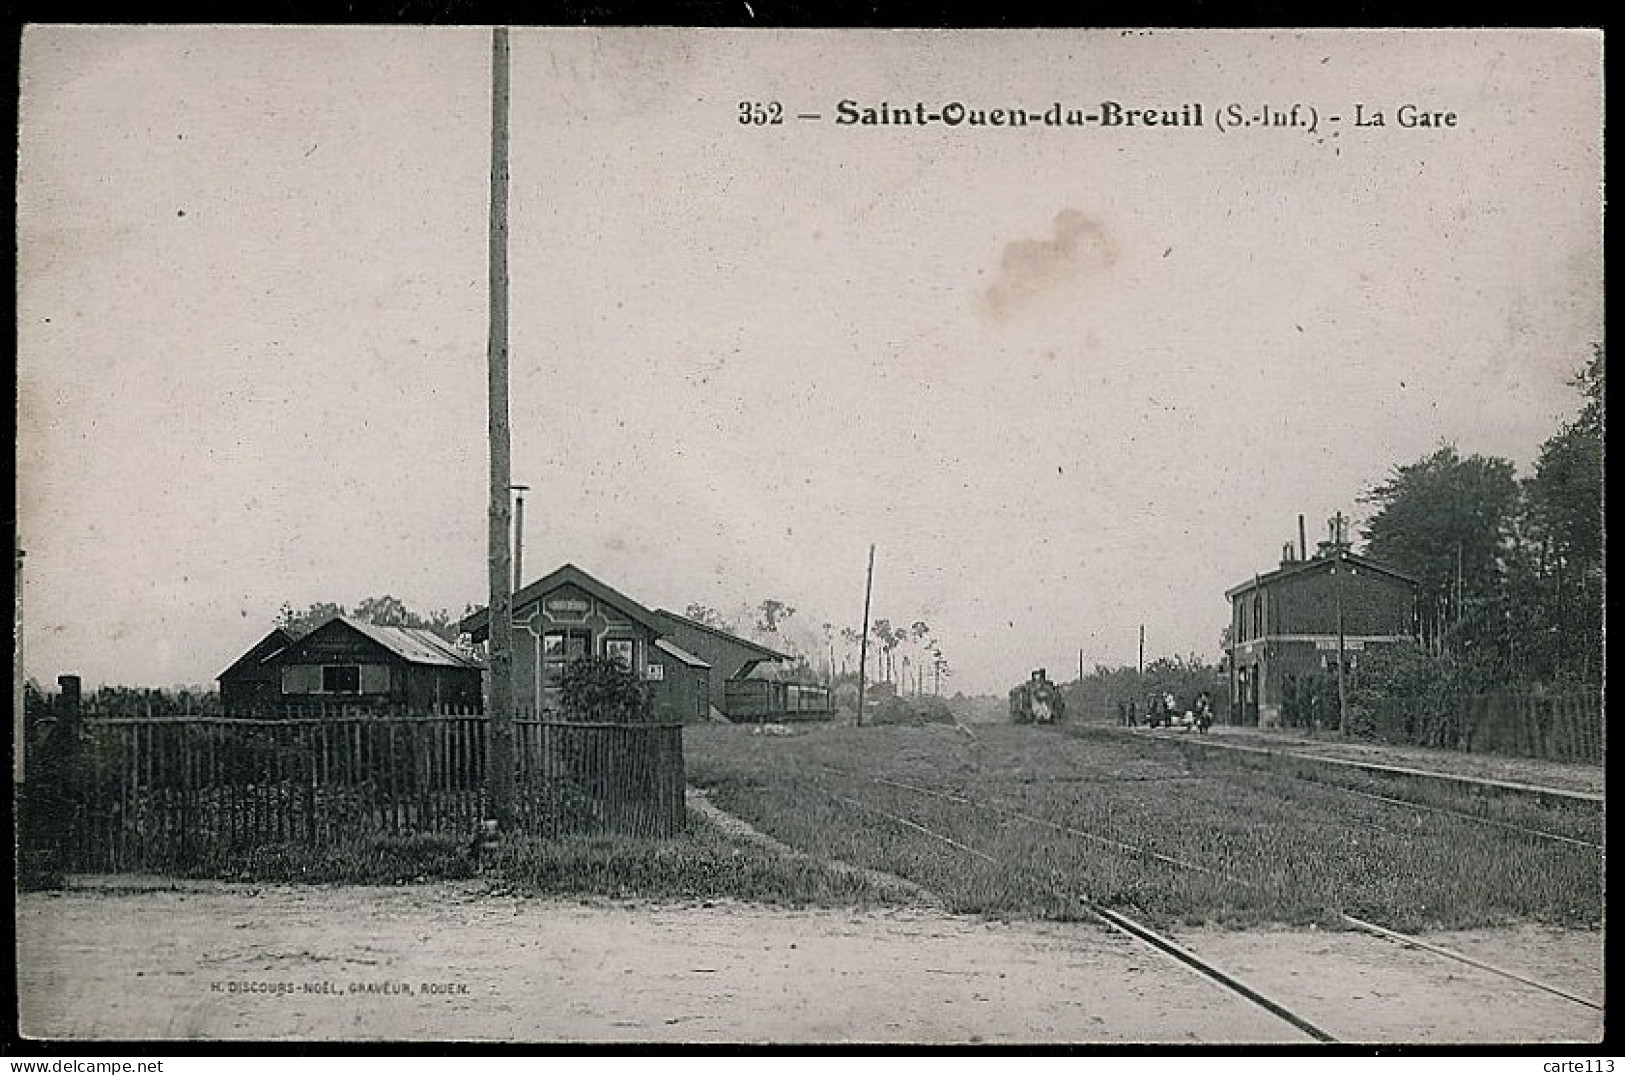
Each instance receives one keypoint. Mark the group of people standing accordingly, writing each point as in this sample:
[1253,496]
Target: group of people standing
[1162,710]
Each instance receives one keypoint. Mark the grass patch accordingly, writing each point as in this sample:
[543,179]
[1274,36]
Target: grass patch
[1277,849]
[38,872]
[702,863]
[375,860]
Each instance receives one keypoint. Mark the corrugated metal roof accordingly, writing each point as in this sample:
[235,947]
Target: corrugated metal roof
[415,644]
[680,653]
[260,652]
[673,620]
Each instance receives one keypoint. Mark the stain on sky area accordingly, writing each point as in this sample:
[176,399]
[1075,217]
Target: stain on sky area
[1032,271]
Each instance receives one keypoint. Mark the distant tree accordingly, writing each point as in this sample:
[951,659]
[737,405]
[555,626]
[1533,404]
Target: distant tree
[1566,492]
[384,611]
[300,624]
[1559,586]
[1097,695]
[390,611]
[1511,573]
[36,703]
[919,636]
[853,639]
[889,639]
[771,614]
[707,615]
[939,669]
[1448,522]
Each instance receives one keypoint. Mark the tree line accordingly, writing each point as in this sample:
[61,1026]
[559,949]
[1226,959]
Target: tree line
[1510,572]
[909,657]
[1510,587]
[384,611]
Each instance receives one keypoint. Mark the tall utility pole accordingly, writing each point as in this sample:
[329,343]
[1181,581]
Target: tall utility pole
[1342,683]
[499,751]
[19,719]
[863,643]
[1141,666]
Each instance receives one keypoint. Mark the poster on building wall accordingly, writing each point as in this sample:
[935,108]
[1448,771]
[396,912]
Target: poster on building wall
[1238,391]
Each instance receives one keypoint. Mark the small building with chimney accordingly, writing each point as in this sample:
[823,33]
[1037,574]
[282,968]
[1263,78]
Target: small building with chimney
[350,664]
[568,614]
[1294,627]
[695,672]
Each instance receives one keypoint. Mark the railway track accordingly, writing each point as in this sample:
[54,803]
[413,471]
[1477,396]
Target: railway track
[1537,791]
[1488,783]
[1121,922]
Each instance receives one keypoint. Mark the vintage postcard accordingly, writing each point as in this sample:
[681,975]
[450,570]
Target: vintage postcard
[689,536]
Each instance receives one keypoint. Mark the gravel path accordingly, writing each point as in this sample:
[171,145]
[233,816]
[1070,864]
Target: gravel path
[143,959]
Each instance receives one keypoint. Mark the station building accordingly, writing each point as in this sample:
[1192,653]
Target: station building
[693,670]
[1292,627]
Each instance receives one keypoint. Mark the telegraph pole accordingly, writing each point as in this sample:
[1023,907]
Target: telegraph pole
[19,719]
[863,643]
[1140,667]
[1339,566]
[500,757]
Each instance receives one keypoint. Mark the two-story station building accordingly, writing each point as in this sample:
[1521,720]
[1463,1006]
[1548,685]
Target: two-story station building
[1289,629]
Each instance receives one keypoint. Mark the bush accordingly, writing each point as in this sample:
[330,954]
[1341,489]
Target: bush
[1403,694]
[894,710]
[601,690]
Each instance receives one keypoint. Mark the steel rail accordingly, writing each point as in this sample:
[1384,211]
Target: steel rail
[1197,963]
[913,825]
[1108,841]
[1410,803]
[1358,923]
[1393,935]
[1541,833]
[1125,924]
[1403,770]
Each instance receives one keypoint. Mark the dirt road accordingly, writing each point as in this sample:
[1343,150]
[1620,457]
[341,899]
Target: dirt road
[156,959]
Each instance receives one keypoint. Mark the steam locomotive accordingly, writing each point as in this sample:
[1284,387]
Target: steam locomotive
[1037,701]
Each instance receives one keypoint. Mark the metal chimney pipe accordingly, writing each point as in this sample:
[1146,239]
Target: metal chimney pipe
[519,535]
[1303,541]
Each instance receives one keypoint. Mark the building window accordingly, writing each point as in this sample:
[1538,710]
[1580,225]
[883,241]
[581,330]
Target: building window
[620,650]
[558,649]
[341,679]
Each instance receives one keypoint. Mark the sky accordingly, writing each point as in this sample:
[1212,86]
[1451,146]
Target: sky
[1068,381]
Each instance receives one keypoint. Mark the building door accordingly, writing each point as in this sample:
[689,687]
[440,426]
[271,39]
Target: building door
[559,648]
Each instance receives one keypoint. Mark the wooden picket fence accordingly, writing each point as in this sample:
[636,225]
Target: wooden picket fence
[164,793]
[1560,726]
